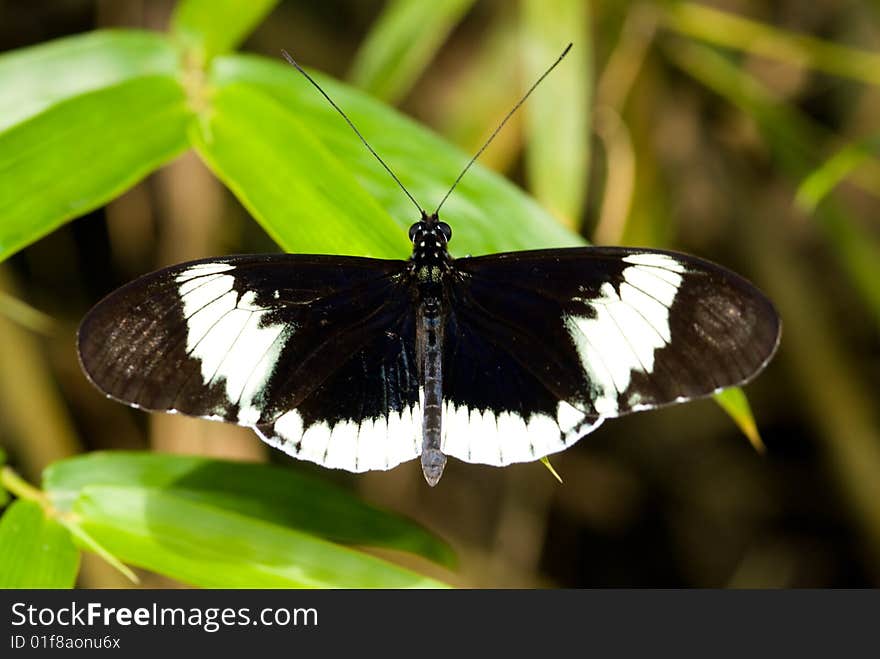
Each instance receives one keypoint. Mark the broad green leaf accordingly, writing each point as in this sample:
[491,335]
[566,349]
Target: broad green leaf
[487,212]
[734,402]
[209,27]
[83,152]
[304,197]
[206,546]
[36,78]
[822,180]
[401,44]
[35,551]
[285,497]
[727,29]
[558,114]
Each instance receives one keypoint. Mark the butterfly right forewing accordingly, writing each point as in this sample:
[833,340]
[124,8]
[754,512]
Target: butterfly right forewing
[639,328]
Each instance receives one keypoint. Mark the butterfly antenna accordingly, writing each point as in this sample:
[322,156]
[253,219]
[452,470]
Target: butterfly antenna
[293,63]
[501,125]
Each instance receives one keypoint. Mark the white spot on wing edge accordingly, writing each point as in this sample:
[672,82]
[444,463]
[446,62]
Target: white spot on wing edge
[506,438]
[374,444]
[313,446]
[289,426]
[656,259]
[373,434]
[200,269]
[342,446]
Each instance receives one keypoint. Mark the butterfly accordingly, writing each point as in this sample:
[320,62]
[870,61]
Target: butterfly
[362,364]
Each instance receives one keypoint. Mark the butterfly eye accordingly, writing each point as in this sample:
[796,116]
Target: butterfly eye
[446,230]
[414,229]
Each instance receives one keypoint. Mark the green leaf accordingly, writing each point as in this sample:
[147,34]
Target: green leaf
[558,115]
[210,27]
[83,152]
[35,551]
[822,180]
[34,79]
[305,199]
[206,546]
[734,402]
[391,58]
[285,497]
[488,212]
[88,542]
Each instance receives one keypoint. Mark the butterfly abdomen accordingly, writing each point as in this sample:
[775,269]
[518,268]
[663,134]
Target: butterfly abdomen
[429,341]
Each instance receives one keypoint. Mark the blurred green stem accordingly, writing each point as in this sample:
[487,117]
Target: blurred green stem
[790,136]
[21,488]
[626,60]
[35,418]
[24,314]
[11,481]
[841,407]
[483,93]
[612,91]
[401,43]
[846,161]
[558,118]
[726,29]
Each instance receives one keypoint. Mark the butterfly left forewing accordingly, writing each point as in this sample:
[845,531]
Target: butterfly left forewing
[241,339]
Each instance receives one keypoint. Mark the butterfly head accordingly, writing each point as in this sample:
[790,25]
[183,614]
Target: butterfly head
[429,237]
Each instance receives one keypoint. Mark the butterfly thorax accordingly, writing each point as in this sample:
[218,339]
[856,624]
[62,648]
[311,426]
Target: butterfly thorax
[430,263]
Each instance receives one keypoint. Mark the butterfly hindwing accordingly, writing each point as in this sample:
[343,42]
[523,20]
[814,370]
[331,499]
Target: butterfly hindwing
[366,414]
[617,330]
[496,411]
[251,339]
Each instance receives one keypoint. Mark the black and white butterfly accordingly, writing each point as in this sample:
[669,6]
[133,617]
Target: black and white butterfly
[360,364]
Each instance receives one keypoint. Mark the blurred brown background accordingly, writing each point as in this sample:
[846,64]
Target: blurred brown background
[676,497]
